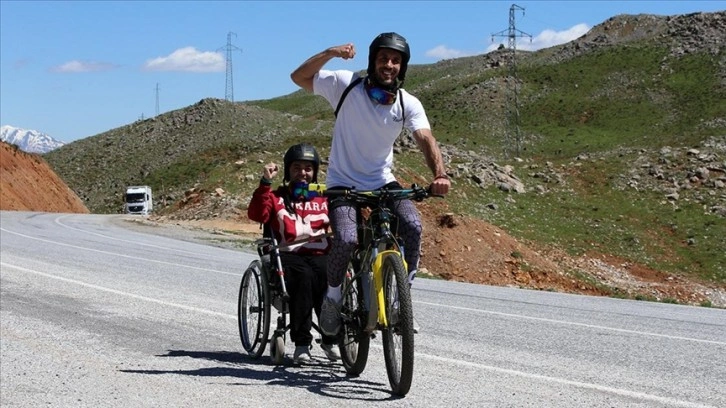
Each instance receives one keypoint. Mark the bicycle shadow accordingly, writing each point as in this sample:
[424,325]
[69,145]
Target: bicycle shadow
[319,377]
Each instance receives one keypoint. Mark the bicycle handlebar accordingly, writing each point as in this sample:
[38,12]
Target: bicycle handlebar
[415,193]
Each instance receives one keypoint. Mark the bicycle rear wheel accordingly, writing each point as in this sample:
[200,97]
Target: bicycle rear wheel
[354,342]
[253,310]
[398,335]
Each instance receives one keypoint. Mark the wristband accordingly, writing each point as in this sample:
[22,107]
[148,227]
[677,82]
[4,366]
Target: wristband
[441,176]
[265,181]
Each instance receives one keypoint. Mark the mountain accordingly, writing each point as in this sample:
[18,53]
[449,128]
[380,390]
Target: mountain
[31,141]
[620,154]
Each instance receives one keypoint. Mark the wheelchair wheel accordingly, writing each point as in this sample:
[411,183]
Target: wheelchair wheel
[398,335]
[253,312]
[277,349]
[354,342]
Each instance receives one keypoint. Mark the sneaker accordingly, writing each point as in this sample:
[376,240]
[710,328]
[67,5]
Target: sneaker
[330,317]
[330,351]
[302,355]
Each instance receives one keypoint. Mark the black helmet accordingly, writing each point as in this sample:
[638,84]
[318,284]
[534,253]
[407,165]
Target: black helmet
[302,151]
[395,42]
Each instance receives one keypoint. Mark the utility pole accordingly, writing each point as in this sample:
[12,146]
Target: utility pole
[229,86]
[513,131]
[157,99]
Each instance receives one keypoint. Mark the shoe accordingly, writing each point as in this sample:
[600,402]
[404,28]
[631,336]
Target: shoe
[330,351]
[330,317]
[415,326]
[302,355]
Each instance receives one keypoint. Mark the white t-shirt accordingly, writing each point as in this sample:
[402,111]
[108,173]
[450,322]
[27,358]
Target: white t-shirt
[361,155]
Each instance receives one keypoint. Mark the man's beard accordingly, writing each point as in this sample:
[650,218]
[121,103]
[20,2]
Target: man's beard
[390,86]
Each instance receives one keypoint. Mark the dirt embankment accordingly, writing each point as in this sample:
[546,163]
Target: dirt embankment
[27,183]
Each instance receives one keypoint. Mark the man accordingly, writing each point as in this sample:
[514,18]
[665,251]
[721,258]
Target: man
[294,215]
[374,112]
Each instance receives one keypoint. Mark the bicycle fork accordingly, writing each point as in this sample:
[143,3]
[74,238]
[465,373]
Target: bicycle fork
[377,307]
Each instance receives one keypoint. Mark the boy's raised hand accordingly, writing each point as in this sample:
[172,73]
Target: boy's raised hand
[270,171]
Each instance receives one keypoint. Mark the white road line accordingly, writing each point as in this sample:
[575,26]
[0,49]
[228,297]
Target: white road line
[591,326]
[58,221]
[117,292]
[597,387]
[122,255]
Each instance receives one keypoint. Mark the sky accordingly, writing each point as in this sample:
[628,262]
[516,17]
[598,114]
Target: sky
[74,69]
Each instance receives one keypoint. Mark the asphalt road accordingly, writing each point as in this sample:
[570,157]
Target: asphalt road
[95,314]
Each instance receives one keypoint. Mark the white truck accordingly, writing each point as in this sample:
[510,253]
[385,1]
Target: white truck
[138,200]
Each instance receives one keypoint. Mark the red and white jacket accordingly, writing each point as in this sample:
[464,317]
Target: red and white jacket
[309,219]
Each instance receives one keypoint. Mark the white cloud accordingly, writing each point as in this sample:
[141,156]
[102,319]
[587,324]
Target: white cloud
[188,59]
[545,39]
[442,52]
[83,66]
[550,38]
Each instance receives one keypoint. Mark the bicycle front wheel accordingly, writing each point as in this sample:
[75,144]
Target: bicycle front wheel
[253,310]
[354,342]
[398,335]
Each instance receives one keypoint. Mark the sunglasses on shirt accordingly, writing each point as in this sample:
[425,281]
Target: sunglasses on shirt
[379,94]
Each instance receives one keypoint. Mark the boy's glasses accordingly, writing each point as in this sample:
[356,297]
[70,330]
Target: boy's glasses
[300,191]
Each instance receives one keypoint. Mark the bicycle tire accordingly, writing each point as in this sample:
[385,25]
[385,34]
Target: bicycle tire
[354,342]
[398,336]
[253,310]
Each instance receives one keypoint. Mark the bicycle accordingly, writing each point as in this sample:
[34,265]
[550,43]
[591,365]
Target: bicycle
[376,291]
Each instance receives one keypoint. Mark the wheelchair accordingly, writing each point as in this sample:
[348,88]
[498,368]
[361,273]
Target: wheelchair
[262,292]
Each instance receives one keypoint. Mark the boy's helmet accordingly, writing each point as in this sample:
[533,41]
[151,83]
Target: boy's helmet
[302,151]
[395,42]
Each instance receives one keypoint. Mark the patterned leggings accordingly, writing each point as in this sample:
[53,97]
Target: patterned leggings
[343,222]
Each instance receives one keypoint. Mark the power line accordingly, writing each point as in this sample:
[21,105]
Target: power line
[229,85]
[513,95]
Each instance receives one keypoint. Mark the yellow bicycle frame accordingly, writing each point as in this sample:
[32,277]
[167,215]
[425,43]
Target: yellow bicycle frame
[378,282]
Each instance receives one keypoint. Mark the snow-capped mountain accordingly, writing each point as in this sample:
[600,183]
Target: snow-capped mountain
[30,141]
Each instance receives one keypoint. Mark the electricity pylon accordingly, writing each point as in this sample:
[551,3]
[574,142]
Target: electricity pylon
[513,131]
[229,85]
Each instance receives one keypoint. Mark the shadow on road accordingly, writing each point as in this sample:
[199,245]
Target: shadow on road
[320,376]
